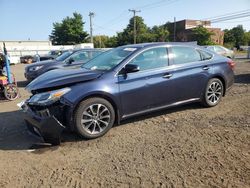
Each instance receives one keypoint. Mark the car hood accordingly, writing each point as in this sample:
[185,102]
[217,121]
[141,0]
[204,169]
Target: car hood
[62,77]
[47,55]
[41,63]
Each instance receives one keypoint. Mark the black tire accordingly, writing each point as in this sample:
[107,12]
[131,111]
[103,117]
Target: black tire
[213,92]
[96,120]
[11,92]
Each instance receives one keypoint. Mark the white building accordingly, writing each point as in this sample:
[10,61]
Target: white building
[16,49]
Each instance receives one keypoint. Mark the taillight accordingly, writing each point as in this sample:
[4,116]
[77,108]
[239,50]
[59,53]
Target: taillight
[231,64]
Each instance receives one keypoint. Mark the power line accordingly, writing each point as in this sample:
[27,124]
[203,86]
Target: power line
[225,18]
[124,13]
[228,14]
[156,4]
[160,5]
[151,4]
[103,28]
[233,15]
[235,21]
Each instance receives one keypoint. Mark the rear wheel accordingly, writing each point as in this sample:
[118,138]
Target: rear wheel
[214,92]
[94,117]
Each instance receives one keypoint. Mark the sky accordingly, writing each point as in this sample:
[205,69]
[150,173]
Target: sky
[33,19]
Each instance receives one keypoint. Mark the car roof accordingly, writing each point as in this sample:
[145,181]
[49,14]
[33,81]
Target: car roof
[213,45]
[87,49]
[142,45]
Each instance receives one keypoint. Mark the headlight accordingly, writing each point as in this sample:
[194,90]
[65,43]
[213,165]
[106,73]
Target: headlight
[48,98]
[35,68]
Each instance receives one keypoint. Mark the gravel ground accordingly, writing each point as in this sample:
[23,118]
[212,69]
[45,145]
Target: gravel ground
[188,146]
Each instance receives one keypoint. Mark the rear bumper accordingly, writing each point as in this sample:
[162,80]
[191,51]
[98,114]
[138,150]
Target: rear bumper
[48,127]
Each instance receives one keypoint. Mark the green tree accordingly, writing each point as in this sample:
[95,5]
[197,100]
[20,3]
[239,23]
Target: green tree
[103,41]
[229,39]
[69,31]
[144,33]
[127,36]
[159,34]
[246,38]
[202,36]
[229,36]
[238,33]
[112,42]
[100,41]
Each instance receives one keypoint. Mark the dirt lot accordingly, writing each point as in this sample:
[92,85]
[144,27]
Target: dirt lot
[188,146]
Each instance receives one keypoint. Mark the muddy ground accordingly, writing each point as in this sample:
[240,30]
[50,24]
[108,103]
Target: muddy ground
[188,146]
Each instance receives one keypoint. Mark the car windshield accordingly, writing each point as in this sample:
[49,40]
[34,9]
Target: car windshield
[109,59]
[64,56]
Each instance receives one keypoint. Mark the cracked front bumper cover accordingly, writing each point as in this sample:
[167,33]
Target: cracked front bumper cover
[49,128]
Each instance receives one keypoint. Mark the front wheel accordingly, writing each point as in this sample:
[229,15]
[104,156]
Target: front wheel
[214,92]
[94,117]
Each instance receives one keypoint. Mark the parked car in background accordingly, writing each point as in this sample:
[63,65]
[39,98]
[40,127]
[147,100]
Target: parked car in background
[28,59]
[50,56]
[74,58]
[222,51]
[124,82]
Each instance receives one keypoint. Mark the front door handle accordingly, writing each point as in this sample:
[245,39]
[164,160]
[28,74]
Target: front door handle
[167,75]
[205,68]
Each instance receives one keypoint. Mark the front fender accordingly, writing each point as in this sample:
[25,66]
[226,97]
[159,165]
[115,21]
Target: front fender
[94,88]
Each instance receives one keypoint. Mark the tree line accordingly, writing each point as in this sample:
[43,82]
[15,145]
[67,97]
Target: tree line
[70,31]
[236,37]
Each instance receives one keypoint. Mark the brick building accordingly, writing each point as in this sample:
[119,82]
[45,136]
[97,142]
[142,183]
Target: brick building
[184,31]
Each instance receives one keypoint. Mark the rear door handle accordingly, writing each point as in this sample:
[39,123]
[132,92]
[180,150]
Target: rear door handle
[205,68]
[167,75]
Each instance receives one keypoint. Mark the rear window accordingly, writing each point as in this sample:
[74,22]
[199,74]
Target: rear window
[210,48]
[182,54]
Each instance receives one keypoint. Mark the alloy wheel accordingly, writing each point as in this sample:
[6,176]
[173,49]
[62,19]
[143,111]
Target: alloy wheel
[95,118]
[214,92]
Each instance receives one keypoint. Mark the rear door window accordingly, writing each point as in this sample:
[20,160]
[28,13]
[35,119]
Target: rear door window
[218,49]
[205,55]
[182,55]
[211,48]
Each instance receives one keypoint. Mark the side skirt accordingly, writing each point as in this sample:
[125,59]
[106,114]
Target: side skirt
[160,108]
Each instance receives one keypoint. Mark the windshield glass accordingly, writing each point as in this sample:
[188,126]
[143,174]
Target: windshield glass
[64,56]
[109,59]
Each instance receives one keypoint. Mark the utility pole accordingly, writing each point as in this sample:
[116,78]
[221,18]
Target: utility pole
[100,41]
[91,15]
[174,29]
[134,12]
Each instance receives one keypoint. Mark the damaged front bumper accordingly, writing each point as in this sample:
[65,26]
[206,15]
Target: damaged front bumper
[43,123]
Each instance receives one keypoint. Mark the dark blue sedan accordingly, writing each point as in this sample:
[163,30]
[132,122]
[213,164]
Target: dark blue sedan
[125,82]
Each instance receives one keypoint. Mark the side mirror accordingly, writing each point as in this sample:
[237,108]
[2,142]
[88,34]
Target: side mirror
[70,61]
[129,68]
